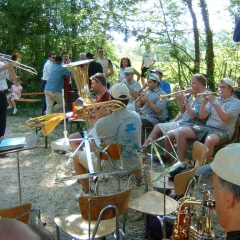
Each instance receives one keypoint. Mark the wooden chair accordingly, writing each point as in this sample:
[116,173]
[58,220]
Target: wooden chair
[102,220]
[21,213]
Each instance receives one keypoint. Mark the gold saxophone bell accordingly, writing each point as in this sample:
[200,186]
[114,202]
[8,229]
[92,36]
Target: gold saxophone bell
[188,224]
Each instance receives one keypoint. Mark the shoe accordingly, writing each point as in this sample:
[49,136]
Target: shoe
[84,193]
[14,111]
[9,107]
[176,171]
[164,159]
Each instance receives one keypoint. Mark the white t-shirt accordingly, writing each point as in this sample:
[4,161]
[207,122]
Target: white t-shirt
[46,70]
[3,76]
[148,58]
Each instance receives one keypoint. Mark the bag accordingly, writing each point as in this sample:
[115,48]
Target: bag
[154,228]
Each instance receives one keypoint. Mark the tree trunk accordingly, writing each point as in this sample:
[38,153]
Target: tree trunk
[209,45]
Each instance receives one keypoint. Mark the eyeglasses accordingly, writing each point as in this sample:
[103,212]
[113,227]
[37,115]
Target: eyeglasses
[100,51]
[222,87]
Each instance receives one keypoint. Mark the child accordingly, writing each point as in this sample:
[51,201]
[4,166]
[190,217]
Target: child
[15,90]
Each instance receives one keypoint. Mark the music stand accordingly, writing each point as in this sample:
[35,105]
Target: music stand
[31,143]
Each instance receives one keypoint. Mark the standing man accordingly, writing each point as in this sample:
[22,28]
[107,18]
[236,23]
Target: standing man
[134,87]
[222,113]
[226,184]
[67,80]
[153,110]
[54,86]
[147,62]
[106,64]
[93,67]
[6,72]
[164,85]
[46,71]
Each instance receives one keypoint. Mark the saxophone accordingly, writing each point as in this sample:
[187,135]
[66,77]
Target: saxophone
[189,225]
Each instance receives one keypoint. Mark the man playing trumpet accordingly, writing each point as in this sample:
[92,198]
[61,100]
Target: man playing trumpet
[189,109]
[153,110]
[222,113]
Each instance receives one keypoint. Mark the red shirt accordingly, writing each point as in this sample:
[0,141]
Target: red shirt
[104,98]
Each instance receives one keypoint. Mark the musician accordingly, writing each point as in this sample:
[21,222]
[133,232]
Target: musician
[99,86]
[134,87]
[6,72]
[153,110]
[189,114]
[54,86]
[164,85]
[122,127]
[226,184]
[46,71]
[106,64]
[222,113]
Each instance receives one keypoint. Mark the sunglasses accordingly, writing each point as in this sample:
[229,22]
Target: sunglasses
[100,51]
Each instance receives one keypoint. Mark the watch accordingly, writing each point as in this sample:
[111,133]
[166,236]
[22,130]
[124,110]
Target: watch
[185,102]
[214,103]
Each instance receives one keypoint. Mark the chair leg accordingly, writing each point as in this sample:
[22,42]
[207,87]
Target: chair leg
[57,232]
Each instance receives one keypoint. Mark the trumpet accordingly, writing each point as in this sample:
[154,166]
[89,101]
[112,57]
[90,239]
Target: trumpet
[172,95]
[204,94]
[15,59]
[142,93]
[236,89]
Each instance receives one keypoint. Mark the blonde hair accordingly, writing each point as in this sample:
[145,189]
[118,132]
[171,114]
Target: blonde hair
[17,80]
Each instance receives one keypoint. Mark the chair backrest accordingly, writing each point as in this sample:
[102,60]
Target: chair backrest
[97,203]
[182,180]
[17,211]
[112,152]
[235,133]
[199,151]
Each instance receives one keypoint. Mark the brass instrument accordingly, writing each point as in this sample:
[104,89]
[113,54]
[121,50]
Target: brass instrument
[171,96]
[189,225]
[86,110]
[204,93]
[236,89]
[79,71]
[142,93]
[15,59]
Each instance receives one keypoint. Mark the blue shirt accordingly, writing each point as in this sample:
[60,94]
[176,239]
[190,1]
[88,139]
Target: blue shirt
[55,81]
[165,86]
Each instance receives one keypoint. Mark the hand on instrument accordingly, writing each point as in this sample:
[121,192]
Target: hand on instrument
[144,98]
[181,96]
[210,98]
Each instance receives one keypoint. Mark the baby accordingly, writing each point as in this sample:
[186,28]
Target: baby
[15,90]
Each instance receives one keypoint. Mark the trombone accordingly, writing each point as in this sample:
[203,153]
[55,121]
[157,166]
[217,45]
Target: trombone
[15,59]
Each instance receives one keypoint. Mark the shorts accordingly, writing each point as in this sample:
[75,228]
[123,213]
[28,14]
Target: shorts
[202,132]
[83,160]
[169,127]
[144,72]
